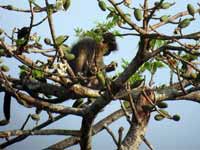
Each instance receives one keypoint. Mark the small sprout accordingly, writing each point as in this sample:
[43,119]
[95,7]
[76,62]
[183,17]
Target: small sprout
[35,117]
[191,9]
[102,5]
[176,117]
[66,4]
[166,5]
[1,31]
[148,107]
[185,22]
[159,117]
[47,41]
[138,14]
[4,68]
[164,18]
[162,105]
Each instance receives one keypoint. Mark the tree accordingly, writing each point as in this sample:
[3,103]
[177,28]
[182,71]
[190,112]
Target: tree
[41,83]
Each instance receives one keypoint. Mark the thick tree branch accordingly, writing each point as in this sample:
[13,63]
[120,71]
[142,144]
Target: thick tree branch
[6,134]
[98,127]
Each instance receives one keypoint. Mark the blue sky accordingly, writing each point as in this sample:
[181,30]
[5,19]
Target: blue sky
[164,135]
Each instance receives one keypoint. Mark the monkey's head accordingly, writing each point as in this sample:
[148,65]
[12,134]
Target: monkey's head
[110,40]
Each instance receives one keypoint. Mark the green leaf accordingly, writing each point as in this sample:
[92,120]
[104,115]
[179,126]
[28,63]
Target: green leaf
[38,74]
[189,57]
[166,5]
[156,65]
[65,48]
[102,5]
[126,104]
[154,44]
[159,117]
[69,56]
[61,39]
[164,18]
[146,66]
[185,22]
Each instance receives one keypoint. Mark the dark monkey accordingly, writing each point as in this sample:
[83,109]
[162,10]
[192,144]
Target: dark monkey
[89,54]
[89,60]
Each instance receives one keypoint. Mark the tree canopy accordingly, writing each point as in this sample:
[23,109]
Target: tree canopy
[168,41]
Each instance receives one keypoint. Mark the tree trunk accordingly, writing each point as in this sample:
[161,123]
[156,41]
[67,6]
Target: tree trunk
[137,130]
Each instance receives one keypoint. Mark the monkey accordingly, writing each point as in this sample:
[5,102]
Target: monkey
[89,54]
[22,38]
[89,60]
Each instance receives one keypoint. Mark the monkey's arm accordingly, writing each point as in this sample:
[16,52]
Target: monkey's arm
[111,67]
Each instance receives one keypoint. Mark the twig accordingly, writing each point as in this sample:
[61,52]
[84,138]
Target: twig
[150,146]
[4,134]
[22,128]
[179,80]
[120,133]
[128,117]
[111,134]
[58,50]
[126,19]
[22,137]
[132,104]
[13,8]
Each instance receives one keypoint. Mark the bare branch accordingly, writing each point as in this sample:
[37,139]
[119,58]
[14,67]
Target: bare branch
[6,134]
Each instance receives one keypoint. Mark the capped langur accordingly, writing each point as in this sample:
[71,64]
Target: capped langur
[89,60]
[89,54]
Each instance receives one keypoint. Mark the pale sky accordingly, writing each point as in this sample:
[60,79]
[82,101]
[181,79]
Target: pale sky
[164,135]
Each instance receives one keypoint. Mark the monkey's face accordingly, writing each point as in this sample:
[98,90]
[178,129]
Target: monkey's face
[110,42]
